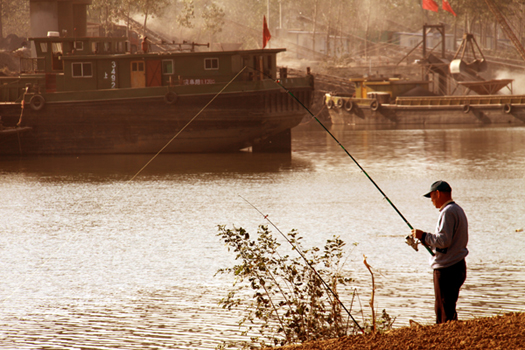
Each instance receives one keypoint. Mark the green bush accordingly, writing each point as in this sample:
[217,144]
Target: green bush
[289,302]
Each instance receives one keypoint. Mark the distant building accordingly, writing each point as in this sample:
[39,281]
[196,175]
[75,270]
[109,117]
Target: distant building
[67,17]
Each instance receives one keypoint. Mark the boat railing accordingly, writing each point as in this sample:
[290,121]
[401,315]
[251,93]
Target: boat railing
[12,89]
[32,65]
[461,100]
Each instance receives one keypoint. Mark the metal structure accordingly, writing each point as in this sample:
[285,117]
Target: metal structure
[506,28]
[468,44]
[436,64]
[489,87]
[441,29]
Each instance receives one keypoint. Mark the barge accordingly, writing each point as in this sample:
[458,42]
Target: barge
[393,101]
[396,102]
[92,95]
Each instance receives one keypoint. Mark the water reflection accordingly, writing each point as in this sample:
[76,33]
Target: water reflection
[124,166]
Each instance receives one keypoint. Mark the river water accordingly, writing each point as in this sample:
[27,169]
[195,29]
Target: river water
[92,257]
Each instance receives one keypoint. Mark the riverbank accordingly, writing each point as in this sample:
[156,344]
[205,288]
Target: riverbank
[498,332]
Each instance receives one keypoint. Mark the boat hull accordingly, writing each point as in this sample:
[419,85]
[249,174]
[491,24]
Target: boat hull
[368,112]
[103,123]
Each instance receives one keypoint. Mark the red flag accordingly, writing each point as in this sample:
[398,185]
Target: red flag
[430,5]
[446,6]
[266,33]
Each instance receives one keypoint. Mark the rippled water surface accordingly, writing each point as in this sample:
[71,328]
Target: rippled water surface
[93,257]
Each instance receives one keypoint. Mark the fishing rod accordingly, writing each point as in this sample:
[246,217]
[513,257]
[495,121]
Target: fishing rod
[309,265]
[410,240]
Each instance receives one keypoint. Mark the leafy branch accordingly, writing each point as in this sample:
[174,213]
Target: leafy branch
[289,302]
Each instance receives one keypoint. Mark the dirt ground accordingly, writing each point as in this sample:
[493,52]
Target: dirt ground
[498,332]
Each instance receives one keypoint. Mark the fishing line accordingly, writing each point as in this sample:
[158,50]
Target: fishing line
[309,265]
[45,261]
[408,238]
[185,126]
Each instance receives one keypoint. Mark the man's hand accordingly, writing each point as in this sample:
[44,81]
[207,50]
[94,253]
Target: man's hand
[417,233]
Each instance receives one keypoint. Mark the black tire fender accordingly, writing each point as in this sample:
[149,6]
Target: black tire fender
[349,106]
[37,102]
[171,98]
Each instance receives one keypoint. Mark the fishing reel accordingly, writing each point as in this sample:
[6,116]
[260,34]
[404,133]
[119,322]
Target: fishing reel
[411,241]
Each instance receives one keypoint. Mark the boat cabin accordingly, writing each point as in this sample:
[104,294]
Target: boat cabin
[88,63]
[393,87]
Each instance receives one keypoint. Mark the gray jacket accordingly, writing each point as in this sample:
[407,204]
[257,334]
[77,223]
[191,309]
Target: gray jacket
[450,239]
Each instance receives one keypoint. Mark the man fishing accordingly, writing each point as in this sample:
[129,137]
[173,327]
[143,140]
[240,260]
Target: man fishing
[449,242]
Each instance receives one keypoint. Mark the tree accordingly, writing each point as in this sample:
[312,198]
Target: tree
[106,12]
[151,8]
[213,17]
[14,18]
[187,15]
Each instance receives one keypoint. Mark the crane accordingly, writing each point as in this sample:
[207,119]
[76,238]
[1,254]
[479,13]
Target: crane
[506,28]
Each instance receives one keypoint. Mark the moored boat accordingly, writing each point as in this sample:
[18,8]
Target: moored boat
[91,95]
[396,102]
[393,101]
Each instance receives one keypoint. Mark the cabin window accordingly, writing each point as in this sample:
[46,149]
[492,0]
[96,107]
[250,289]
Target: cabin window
[121,46]
[57,47]
[137,66]
[211,63]
[78,46]
[167,67]
[82,69]
[43,47]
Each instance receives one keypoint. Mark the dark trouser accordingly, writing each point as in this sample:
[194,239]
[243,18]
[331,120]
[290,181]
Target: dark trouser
[447,282]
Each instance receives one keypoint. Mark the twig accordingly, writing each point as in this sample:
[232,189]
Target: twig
[373,292]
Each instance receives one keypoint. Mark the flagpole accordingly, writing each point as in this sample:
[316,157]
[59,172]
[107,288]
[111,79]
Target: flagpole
[268,17]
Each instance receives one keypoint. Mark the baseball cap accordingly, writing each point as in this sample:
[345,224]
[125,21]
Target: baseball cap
[439,186]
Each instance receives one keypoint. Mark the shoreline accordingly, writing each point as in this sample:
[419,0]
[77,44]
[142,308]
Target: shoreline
[497,332]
